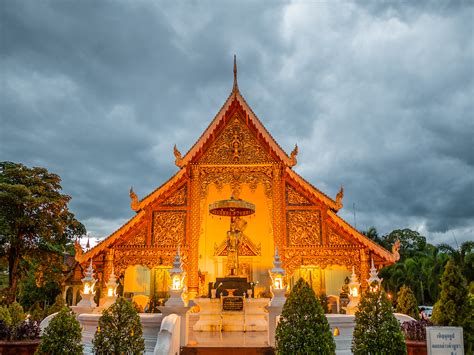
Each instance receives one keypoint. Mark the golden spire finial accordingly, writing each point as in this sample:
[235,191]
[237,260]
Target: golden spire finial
[236,87]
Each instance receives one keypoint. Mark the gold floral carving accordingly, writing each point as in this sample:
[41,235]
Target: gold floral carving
[178,198]
[295,257]
[278,206]
[236,176]
[137,238]
[149,257]
[294,198]
[195,218]
[236,145]
[169,228]
[304,228]
[336,240]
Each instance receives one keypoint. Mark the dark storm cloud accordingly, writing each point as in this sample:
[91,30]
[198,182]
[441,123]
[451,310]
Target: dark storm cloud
[378,98]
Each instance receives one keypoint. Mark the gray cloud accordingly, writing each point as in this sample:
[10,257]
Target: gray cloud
[378,97]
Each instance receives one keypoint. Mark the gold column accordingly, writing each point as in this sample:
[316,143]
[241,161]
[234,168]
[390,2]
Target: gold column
[278,206]
[364,269]
[193,257]
[108,265]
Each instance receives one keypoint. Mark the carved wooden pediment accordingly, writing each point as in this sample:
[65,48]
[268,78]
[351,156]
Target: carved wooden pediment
[136,237]
[304,228]
[294,198]
[177,198]
[236,144]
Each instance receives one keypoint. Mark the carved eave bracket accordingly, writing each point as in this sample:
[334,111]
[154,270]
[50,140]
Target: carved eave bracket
[293,155]
[178,157]
[134,203]
[339,197]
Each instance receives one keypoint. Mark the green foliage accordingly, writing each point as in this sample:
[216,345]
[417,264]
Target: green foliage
[303,327]
[406,302]
[62,335]
[119,330]
[36,312]
[58,305]
[35,221]
[16,313]
[455,307]
[377,331]
[5,315]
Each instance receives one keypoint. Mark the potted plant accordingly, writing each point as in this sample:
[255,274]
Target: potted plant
[18,334]
[415,336]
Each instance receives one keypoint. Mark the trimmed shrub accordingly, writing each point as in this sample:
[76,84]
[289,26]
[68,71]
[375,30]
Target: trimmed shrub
[62,335]
[377,331]
[406,302]
[303,327]
[454,307]
[119,330]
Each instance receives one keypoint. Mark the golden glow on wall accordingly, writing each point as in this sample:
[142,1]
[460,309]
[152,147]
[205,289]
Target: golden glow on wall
[258,230]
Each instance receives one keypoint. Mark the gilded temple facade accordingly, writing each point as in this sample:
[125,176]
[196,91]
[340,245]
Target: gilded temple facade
[235,156]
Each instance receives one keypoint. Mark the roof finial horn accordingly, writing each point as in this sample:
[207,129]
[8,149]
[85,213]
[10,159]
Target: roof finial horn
[236,87]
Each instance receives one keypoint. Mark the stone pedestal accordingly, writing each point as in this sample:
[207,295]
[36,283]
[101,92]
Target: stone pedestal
[182,312]
[274,310]
[256,319]
[87,300]
[209,315]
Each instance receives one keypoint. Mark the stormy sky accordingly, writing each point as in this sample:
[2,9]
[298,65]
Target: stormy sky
[379,97]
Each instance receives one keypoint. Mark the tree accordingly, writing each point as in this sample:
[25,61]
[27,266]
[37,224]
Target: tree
[35,221]
[455,307]
[62,335]
[406,302]
[411,242]
[119,330]
[372,234]
[377,331]
[303,327]
[463,256]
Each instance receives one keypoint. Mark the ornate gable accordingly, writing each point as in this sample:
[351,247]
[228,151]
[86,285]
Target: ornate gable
[177,198]
[236,144]
[294,198]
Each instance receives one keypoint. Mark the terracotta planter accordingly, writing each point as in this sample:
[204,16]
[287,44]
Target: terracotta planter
[19,347]
[416,347]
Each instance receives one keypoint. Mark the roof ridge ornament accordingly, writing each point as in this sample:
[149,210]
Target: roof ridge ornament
[293,155]
[179,159]
[134,202]
[339,197]
[235,87]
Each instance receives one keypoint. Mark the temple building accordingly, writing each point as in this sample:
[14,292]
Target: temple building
[235,158]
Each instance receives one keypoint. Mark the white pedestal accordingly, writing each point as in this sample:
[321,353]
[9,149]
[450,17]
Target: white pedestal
[209,315]
[182,312]
[233,321]
[87,300]
[256,319]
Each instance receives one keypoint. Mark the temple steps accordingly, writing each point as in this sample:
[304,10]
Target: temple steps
[188,350]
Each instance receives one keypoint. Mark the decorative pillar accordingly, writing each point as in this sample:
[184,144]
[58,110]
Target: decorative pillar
[364,269]
[108,266]
[278,206]
[193,257]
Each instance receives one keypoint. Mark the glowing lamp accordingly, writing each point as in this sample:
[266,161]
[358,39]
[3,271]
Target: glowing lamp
[112,285]
[374,280]
[176,285]
[353,294]
[88,281]
[278,282]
